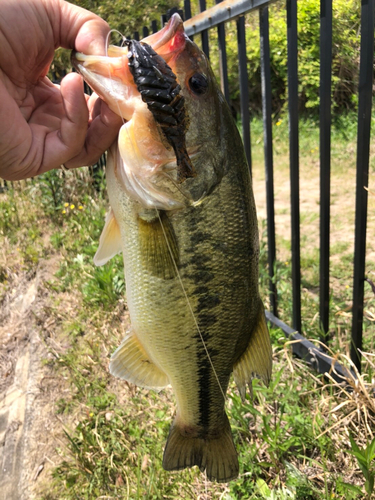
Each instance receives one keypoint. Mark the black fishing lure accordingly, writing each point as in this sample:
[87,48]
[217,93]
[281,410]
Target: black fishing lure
[159,89]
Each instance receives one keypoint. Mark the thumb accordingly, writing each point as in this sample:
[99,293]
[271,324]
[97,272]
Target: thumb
[82,30]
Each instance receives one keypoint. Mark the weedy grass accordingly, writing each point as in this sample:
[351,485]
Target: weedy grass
[304,437]
[365,458]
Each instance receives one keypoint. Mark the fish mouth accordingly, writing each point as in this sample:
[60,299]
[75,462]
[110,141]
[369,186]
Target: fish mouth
[138,84]
[110,77]
[170,40]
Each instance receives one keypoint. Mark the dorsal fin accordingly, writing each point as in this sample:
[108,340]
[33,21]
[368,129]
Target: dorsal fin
[110,241]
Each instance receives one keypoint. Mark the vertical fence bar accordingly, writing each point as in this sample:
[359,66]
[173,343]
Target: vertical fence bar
[136,35]
[187,9]
[325,160]
[187,13]
[154,26]
[291,6]
[204,34]
[223,59]
[145,31]
[363,151]
[244,89]
[268,152]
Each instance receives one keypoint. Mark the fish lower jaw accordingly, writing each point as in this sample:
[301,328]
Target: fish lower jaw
[146,189]
[149,196]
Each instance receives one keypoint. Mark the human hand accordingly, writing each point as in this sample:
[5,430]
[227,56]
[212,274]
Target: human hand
[43,125]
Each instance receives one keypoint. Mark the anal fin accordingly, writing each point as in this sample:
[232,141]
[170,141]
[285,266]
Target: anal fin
[256,361]
[131,362]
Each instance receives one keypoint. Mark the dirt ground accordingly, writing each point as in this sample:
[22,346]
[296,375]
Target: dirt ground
[342,206]
[29,428]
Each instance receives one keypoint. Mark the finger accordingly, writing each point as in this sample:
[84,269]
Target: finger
[82,30]
[66,143]
[101,134]
[15,139]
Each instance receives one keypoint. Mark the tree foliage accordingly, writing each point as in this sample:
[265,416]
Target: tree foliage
[345,55]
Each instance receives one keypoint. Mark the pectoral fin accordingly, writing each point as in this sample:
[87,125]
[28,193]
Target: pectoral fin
[159,248]
[131,362]
[110,241]
[256,361]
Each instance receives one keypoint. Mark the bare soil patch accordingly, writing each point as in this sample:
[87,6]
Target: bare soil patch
[29,428]
[342,226]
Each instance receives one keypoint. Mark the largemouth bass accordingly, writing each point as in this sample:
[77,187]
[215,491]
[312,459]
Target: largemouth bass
[183,214]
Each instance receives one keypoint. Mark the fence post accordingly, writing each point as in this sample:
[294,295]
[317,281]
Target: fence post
[204,34]
[291,6]
[363,152]
[268,151]
[325,160]
[223,59]
[244,87]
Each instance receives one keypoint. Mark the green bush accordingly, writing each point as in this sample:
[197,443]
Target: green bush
[345,56]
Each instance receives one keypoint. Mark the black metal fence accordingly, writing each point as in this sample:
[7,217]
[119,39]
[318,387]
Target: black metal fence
[215,18]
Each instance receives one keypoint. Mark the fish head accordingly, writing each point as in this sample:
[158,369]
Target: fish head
[171,146]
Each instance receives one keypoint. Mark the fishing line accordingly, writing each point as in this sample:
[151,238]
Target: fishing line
[189,305]
[123,39]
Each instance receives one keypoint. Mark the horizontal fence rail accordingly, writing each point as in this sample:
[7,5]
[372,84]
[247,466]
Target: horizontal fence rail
[220,13]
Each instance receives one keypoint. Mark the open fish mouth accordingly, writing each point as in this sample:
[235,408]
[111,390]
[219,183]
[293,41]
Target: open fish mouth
[136,79]
[111,76]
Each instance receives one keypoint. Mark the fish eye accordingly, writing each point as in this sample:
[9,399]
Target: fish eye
[198,84]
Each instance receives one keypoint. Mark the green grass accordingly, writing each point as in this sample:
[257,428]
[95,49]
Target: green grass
[292,438]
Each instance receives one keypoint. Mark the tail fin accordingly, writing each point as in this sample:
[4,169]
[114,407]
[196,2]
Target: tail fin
[215,454]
